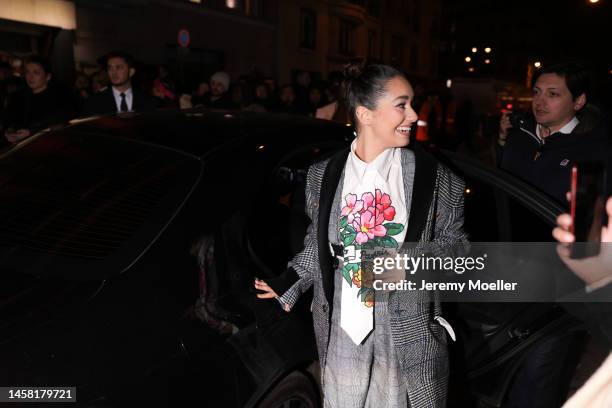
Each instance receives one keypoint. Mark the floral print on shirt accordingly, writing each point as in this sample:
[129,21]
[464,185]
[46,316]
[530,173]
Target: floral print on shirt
[366,222]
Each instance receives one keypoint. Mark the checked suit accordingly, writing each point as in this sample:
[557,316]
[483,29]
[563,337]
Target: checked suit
[436,216]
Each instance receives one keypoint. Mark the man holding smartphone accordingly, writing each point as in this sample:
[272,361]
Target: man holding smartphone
[564,129]
[542,150]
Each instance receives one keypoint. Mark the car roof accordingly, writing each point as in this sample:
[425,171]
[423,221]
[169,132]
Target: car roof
[198,131]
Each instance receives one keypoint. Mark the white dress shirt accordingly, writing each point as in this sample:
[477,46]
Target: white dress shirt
[567,129]
[373,209]
[129,98]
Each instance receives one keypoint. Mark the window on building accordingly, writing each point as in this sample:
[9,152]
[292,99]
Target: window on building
[346,44]
[308,29]
[373,45]
[251,8]
[235,4]
[397,50]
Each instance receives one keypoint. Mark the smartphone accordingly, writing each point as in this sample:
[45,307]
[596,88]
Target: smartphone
[587,208]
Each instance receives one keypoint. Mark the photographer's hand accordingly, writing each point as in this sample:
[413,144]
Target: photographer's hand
[504,127]
[594,271]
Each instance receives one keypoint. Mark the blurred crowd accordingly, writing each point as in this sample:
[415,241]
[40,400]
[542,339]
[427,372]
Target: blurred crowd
[31,99]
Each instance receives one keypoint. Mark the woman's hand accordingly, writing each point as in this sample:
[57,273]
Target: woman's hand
[269,292]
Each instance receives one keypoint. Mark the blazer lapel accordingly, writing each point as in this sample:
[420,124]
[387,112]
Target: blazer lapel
[425,174]
[111,100]
[135,100]
[331,178]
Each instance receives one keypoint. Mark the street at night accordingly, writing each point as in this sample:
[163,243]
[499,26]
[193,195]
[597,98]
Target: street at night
[305,203]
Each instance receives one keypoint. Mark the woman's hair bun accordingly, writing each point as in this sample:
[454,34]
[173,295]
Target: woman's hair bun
[354,68]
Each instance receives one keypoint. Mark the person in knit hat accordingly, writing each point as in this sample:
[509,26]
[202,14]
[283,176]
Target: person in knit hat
[218,97]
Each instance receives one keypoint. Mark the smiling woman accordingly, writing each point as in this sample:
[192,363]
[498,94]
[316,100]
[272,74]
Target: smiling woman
[377,194]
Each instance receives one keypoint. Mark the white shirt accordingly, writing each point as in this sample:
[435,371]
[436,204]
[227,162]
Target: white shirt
[567,129]
[373,210]
[129,97]
[384,174]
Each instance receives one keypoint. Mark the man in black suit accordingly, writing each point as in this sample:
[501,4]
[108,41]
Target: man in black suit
[120,97]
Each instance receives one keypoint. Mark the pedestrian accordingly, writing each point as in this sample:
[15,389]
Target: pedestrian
[382,349]
[564,129]
[121,96]
[286,100]
[261,98]
[42,104]
[542,150]
[218,97]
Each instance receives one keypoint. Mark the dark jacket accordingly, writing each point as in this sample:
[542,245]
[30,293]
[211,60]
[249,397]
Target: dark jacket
[27,110]
[223,102]
[547,163]
[104,103]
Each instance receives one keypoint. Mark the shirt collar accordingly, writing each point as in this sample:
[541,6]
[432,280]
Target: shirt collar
[566,130]
[381,164]
[117,93]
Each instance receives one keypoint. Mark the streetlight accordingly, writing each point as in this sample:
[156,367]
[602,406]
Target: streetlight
[471,69]
[487,61]
[593,1]
[488,50]
[468,59]
[537,64]
[474,49]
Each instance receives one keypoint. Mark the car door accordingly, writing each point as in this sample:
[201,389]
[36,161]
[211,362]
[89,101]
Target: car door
[498,209]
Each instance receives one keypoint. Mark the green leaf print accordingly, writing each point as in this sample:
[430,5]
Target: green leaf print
[389,242]
[343,222]
[347,240]
[346,274]
[393,228]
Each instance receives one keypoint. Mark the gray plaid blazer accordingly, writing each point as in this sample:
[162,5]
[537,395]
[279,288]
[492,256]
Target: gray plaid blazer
[436,217]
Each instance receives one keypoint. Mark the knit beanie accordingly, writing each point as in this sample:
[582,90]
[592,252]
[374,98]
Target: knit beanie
[221,77]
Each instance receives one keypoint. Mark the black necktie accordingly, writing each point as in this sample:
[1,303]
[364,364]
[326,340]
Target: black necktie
[123,105]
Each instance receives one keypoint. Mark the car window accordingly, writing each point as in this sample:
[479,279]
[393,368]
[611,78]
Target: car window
[253,222]
[481,211]
[286,204]
[526,225]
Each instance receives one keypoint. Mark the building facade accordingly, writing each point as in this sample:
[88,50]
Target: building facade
[276,38]
[321,36]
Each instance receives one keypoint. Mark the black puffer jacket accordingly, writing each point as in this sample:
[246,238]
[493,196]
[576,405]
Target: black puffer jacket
[547,163]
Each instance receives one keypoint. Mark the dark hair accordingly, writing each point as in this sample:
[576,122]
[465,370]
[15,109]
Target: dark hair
[577,77]
[36,59]
[365,84]
[128,58]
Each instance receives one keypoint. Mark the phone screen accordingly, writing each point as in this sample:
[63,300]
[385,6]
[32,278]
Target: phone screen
[587,208]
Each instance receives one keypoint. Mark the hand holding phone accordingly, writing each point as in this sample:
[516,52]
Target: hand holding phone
[587,207]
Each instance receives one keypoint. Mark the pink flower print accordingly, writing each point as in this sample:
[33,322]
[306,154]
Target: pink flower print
[383,205]
[368,200]
[353,207]
[379,217]
[367,228]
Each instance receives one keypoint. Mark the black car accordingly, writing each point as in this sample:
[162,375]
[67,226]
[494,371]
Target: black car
[129,245]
